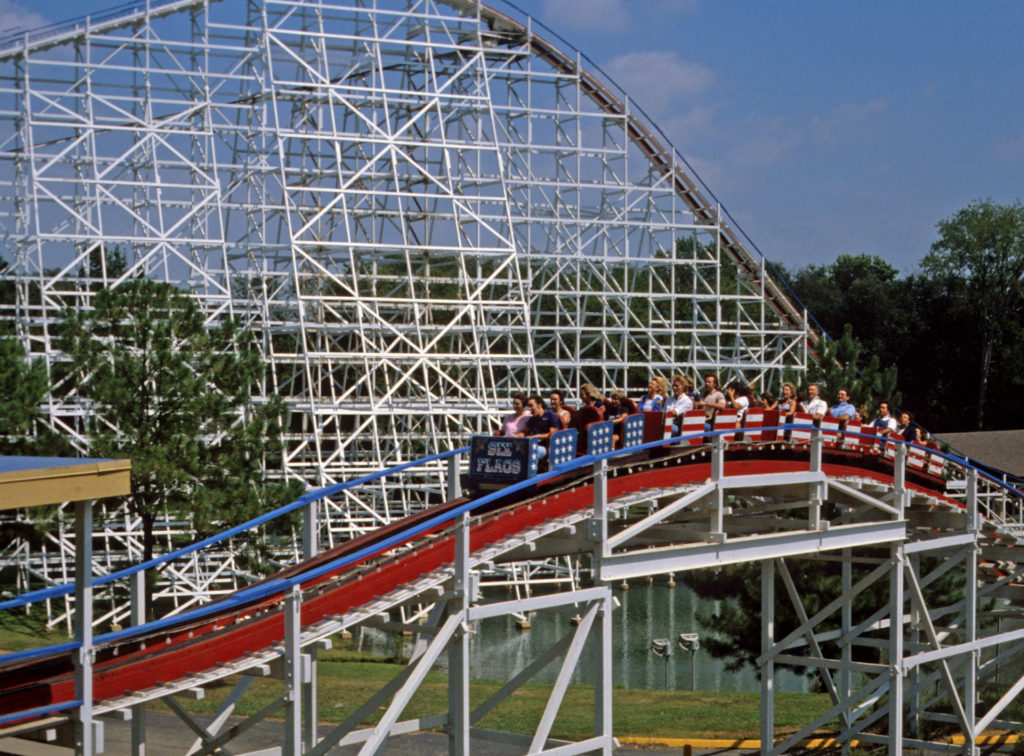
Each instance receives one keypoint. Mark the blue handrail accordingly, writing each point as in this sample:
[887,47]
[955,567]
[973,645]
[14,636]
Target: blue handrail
[320,493]
[276,587]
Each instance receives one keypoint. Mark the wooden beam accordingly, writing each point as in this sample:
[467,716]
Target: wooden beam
[36,481]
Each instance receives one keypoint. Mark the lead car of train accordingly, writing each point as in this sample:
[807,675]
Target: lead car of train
[499,461]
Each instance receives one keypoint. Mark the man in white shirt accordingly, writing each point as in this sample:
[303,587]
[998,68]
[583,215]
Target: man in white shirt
[712,401]
[815,405]
[884,422]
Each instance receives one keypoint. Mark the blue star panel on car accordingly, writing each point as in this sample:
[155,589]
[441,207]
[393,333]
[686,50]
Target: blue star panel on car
[599,437]
[563,447]
[633,430]
[534,457]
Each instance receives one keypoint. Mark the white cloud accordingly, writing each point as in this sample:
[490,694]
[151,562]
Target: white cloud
[662,8]
[765,141]
[586,15]
[659,81]
[15,18]
[713,173]
[687,127]
[847,120]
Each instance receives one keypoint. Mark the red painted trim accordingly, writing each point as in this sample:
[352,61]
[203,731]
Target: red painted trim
[171,655]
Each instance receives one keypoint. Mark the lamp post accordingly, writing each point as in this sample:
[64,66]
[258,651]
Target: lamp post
[662,647]
[691,642]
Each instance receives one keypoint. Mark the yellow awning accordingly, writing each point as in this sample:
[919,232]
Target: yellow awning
[35,481]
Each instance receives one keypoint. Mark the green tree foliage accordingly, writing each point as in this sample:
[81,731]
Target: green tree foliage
[978,262]
[862,290]
[734,626]
[23,388]
[840,365]
[176,398]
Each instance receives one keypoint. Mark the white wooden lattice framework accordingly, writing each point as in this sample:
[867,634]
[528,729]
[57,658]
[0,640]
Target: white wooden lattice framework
[909,663]
[419,207]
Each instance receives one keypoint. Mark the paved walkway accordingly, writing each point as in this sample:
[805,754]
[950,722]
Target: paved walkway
[168,736]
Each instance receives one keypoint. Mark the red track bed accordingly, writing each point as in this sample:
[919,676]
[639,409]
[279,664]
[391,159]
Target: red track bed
[193,647]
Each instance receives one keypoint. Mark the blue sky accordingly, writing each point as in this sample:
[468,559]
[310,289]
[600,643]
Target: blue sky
[824,127]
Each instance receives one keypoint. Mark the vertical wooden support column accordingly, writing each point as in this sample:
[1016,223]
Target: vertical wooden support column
[603,678]
[897,558]
[138,617]
[309,702]
[85,733]
[768,654]
[599,523]
[717,527]
[603,682]
[914,674]
[452,488]
[310,546]
[971,613]
[817,493]
[846,661]
[293,672]
[458,648]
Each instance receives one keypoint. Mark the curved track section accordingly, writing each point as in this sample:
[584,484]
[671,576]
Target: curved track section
[654,508]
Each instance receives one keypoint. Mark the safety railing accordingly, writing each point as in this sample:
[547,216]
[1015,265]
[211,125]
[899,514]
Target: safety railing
[999,503]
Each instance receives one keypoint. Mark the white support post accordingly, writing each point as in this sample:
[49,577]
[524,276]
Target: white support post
[717,458]
[293,672]
[817,493]
[603,679]
[85,726]
[603,682]
[717,526]
[309,703]
[899,476]
[452,479]
[914,675]
[138,617]
[896,669]
[309,530]
[599,523]
[458,649]
[768,654]
[971,614]
[845,673]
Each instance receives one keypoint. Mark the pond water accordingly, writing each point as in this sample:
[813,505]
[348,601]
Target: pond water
[499,648]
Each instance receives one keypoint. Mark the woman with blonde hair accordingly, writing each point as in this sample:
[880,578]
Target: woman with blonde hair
[654,399]
[591,397]
[788,404]
[680,402]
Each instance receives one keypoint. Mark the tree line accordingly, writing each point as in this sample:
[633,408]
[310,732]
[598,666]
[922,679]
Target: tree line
[952,329]
[165,390]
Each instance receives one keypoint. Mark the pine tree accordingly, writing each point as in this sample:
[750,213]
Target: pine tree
[23,386]
[176,397]
[839,366]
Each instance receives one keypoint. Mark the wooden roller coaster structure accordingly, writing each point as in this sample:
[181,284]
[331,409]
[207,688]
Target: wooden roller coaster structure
[666,506]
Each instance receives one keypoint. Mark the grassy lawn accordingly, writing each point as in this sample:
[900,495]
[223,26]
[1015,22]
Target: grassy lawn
[19,632]
[348,679]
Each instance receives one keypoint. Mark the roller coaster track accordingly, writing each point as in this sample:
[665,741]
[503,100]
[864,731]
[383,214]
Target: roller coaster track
[639,511]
